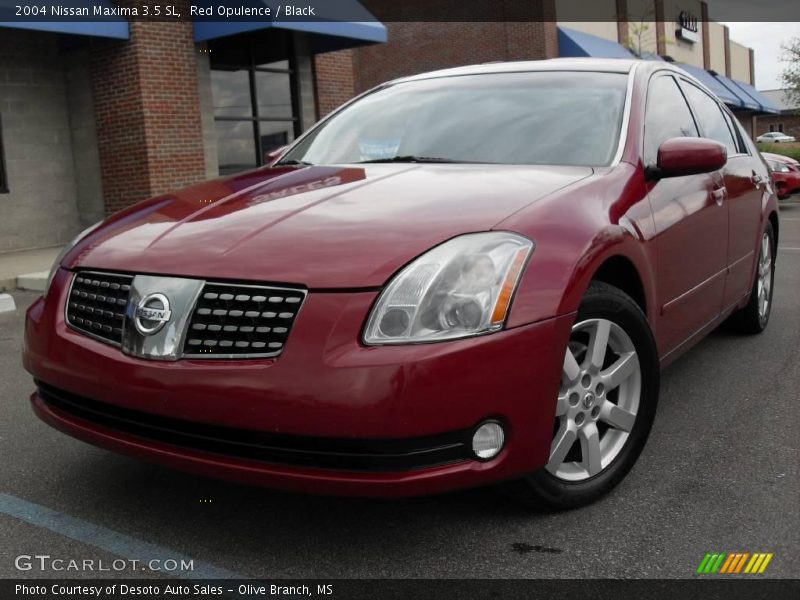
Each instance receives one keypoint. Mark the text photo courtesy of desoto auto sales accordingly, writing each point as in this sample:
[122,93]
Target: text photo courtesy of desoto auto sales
[399,299]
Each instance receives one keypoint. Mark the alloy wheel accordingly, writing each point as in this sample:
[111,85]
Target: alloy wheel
[597,402]
[764,277]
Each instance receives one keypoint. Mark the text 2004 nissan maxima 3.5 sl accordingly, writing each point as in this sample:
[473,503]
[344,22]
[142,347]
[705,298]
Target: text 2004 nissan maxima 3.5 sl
[459,278]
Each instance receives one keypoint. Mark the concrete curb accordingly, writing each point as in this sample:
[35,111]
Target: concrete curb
[33,281]
[7,303]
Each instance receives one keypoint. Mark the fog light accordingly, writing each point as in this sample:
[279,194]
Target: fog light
[488,440]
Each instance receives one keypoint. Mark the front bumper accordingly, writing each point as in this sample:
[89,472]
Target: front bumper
[326,390]
[787,184]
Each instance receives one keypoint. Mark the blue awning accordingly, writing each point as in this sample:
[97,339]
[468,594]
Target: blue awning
[115,27]
[117,30]
[745,100]
[764,103]
[722,92]
[326,36]
[651,56]
[577,43]
[327,33]
[734,93]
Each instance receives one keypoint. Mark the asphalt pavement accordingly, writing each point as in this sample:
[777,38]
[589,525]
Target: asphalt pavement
[720,473]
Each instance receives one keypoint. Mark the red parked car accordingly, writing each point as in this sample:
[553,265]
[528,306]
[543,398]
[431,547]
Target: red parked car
[459,278]
[785,173]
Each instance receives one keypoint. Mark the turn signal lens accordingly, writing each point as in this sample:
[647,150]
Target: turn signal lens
[509,285]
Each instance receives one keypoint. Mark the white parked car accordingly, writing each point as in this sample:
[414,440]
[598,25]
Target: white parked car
[775,137]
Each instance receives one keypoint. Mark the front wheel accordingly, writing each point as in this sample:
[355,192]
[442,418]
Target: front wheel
[606,404]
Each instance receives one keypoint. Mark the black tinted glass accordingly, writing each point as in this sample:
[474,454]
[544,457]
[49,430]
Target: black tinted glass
[709,116]
[667,116]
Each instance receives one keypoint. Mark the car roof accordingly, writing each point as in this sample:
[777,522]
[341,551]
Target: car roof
[612,65]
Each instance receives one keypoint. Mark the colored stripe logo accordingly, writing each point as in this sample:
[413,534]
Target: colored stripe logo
[734,563]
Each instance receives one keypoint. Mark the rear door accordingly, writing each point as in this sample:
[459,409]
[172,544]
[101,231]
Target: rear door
[691,224]
[743,185]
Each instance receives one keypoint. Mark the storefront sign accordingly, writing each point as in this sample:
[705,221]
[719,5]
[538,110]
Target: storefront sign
[688,27]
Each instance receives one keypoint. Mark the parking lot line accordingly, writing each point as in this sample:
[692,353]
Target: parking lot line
[787,248]
[108,540]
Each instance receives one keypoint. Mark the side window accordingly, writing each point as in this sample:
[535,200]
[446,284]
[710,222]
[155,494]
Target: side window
[748,145]
[3,179]
[709,117]
[667,116]
[737,134]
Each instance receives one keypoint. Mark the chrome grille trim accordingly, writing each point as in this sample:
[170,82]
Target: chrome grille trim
[226,320]
[96,304]
[240,321]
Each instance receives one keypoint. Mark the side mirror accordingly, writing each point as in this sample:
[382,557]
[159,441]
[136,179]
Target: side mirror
[274,155]
[678,157]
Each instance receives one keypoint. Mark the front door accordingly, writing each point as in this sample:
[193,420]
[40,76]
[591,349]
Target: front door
[691,224]
[743,187]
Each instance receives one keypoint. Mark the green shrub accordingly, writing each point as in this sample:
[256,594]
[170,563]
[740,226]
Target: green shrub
[791,150]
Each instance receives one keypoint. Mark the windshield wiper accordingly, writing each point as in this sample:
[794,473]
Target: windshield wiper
[294,162]
[410,159]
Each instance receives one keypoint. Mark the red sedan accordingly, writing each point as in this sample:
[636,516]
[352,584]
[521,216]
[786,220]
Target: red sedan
[459,278]
[785,173]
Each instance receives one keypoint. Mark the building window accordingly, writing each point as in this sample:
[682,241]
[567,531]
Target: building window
[776,127]
[255,108]
[3,177]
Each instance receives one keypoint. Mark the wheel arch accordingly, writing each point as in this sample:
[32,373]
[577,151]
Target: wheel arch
[627,265]
[773,219]
[618,270]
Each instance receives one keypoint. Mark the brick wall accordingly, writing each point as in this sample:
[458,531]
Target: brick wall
[791,124]
[418,46]
[335,80]
[148,113]
[40,208]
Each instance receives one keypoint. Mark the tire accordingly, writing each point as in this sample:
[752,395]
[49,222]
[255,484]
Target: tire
[753,318]
[575,481]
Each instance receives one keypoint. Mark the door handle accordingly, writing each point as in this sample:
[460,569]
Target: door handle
[758,180]
[719,195]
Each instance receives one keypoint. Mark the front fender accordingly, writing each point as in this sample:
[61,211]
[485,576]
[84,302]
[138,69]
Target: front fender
[576,232]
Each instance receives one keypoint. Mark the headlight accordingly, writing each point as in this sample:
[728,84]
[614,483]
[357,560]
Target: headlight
[63,253]
[777,167]
[459,289]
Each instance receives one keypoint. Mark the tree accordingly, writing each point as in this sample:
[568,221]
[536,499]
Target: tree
[790,77]
[640,30]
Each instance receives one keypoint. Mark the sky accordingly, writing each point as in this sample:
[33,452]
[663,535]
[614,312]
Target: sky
[765,39]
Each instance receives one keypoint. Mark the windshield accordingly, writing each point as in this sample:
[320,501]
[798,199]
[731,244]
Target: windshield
[533,118]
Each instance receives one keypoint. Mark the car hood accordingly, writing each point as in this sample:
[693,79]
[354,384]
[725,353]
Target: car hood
[320,227]
[779,158]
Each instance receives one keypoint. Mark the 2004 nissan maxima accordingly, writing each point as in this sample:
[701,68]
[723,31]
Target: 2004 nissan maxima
[459,278]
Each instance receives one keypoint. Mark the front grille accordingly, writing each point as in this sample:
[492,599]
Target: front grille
[324,453]
[241,320]
[227,321]
[96,304]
